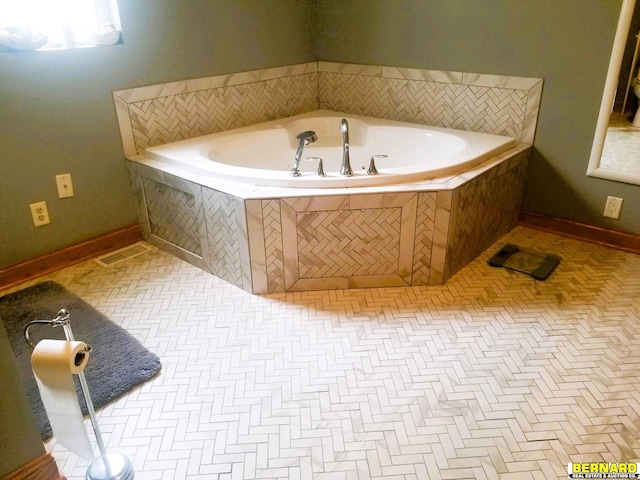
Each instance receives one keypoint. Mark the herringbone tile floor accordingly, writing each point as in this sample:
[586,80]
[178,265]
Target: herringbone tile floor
[492,375]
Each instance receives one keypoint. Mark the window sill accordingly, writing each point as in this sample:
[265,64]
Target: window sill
[55,48]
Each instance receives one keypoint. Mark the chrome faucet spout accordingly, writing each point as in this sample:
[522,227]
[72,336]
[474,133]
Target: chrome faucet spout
[304,139]
[345,169]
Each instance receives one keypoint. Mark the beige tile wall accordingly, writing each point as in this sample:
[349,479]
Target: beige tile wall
[159,114]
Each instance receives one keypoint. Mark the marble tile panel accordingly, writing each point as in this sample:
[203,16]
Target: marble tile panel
[273,245]
[465,226]
[509,158]
[505,166]
[312,204]
[350,69]
[257,248]
[242,233]
[407,238]
[380,200]
[266,192]
[179,252]
[423,242]
[251,76]
[417,186]
[357,94]
[224,217]
[146,170]
[343,243]
[176,220]
[534,96]
[440,237]
[222,81]
[422,75]
[498,81]
[180,183]
[173,215]
[487,107]
[498,111]
[240,190]
[437,104]
[289,244]
[484,209]
[158,169]
[141,205]
[149,92]
[124,123]
[405,99]
[165,119]
[288,71]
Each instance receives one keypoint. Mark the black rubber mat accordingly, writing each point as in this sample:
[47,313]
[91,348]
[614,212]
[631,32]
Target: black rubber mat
[539,266]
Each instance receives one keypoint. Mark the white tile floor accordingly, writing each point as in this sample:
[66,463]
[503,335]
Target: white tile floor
[492,375]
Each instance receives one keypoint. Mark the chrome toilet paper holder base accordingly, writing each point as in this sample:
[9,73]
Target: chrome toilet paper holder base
[61,320]
[109,466]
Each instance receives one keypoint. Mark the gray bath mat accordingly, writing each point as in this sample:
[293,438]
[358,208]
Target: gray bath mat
[118,362]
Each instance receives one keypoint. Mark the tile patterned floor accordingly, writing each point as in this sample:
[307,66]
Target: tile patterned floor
[492,375]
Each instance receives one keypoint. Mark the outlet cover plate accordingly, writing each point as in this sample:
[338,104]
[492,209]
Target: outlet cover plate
[39,214]
[612,207]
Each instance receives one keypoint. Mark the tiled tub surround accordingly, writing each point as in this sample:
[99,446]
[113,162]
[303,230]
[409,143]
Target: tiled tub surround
[267,240]
[272,240]
[159,114]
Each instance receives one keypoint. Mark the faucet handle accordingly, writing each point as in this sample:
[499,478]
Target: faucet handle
[320,171]
[372,164]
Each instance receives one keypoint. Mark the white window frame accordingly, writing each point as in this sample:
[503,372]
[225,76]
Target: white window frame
[23,35]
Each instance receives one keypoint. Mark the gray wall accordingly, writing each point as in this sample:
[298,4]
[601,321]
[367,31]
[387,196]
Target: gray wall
[20,440]
[567,43]
[57,114]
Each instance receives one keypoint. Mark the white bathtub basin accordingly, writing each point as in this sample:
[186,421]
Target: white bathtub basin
[263,154]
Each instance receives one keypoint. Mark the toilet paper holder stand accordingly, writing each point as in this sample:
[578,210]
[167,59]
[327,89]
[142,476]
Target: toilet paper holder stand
[109,466]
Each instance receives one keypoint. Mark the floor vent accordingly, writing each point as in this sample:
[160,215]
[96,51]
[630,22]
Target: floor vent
[122,254]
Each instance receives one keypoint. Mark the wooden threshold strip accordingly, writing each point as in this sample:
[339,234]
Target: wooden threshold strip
[50,262]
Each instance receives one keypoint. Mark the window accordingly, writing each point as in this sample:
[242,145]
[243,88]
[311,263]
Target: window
[48,24]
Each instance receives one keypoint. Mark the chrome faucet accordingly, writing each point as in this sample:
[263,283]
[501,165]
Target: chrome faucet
[304,139]
[345,169]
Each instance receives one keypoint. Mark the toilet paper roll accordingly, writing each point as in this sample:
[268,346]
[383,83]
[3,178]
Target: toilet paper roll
[53,363]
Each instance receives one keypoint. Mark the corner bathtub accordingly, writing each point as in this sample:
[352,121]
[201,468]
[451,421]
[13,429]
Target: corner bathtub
[226,202]
[263,154]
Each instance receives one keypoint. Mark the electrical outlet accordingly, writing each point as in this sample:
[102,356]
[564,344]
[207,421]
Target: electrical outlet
[39,214]
[612,207]
[65,187]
